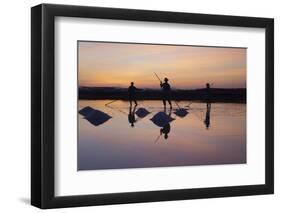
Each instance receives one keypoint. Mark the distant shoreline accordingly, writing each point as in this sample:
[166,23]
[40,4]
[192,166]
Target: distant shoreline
[216,94]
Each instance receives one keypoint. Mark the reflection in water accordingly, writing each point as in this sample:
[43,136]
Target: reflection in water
[162,118]
[166,126]
[114,144]
[208,115]
[131,115]
[181,112]
[165,130]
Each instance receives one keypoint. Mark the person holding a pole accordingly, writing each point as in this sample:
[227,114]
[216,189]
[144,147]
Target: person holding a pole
[166,92]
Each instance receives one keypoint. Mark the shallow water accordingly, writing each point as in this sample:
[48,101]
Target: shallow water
[205,136]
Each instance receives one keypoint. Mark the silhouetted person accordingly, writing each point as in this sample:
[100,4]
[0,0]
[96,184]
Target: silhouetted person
[131,116]
[208,115]
[208,92]
[166,92]
[208,86]
[132,94]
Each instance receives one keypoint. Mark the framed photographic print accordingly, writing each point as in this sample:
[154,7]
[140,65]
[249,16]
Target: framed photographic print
[139,106]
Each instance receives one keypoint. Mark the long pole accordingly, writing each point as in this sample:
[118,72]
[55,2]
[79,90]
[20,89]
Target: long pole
[157,76]
[157,138]
[110,102]
[189,104]
[177,104]
[117,109]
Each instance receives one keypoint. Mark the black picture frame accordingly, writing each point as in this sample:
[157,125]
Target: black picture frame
[43,117]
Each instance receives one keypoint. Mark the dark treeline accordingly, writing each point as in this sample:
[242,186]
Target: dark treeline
[216,94]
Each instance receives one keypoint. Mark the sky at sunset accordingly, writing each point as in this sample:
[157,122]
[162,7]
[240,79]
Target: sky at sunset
[104,64]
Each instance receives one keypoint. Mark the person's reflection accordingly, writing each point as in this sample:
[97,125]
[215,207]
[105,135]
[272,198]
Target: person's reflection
[131,115]
[165,130]
[167,127]
[208,115]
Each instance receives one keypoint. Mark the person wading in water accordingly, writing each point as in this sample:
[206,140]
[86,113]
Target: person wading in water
[166,92]
[132,94]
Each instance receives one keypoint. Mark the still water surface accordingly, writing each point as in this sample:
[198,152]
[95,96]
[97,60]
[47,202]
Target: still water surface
[205,136]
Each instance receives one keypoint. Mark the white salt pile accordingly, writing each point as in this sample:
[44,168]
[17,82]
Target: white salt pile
[161,119]
[181,112]
[86,110]
[97,117]
[142,112]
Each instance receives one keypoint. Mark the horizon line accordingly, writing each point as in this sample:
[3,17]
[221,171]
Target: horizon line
[160,88]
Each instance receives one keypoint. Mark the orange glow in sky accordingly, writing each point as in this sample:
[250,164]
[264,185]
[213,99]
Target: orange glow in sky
[105,64]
